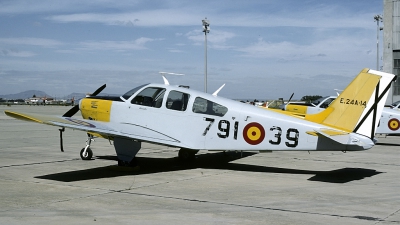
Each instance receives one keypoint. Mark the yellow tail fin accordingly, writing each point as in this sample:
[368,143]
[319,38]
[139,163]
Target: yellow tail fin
[359,107]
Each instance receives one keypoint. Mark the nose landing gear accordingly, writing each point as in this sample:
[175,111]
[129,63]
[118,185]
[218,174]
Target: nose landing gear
[87,153]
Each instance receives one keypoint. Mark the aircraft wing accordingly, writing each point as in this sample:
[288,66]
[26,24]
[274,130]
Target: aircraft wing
[97,128]
[73,123]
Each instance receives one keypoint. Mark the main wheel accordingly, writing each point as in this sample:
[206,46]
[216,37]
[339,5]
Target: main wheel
[187,154]
[88,155]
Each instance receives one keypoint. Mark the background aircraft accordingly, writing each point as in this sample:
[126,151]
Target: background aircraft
[191,120]
[389,122]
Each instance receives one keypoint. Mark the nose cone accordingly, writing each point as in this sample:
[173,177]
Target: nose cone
[80,103]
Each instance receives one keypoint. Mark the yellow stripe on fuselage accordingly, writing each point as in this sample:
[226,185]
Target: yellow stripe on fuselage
[301,109]
[96,109]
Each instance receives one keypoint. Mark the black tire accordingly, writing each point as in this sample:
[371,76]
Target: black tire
[132,163]
[89,154]
[187,154]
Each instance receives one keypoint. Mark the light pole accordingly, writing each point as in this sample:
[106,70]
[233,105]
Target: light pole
[206,29]
[377,18]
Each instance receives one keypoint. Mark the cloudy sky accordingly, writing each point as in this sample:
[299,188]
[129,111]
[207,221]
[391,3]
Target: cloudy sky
[261,49]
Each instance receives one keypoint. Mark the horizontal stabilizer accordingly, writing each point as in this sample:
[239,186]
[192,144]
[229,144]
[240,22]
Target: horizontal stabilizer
[343,137]
[336,135]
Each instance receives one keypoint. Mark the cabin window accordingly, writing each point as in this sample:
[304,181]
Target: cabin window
[151,96]
[177,100]
[205,106]
[128,94]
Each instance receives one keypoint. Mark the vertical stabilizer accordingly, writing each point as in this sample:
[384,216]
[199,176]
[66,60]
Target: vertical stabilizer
[359,107]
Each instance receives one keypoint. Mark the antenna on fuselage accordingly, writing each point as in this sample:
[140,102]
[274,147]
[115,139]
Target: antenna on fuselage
[217,91]
[165,79]
[337,91]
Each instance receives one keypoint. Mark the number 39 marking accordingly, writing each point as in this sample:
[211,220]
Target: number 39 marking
[291,137]
[292,134]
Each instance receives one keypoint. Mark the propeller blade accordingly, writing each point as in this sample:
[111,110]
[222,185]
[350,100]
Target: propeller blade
[75,109]
[287,103]
[98,90]
[290,98]
[72,111]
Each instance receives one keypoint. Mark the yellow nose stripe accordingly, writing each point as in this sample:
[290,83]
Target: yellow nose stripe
[96,109]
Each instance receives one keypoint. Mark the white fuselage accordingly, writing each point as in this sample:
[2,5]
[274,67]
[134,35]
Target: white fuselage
[242,127]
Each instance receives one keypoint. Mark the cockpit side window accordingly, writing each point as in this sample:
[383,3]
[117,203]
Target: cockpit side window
[395,104]
[327,102]
[205,106]
[177,100]
[128,94]
[151,96]
[316,102]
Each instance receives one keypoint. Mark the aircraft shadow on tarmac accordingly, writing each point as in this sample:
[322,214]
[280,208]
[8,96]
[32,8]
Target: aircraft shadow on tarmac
[220,161]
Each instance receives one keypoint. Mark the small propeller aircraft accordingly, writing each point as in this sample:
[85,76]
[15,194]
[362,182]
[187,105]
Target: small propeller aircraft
[395,105]
[177,116]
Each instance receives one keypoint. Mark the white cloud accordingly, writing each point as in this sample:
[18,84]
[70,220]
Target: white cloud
[16,53]
[153,18]
[138,44]
[45,6]
[217,40]
[175,50]
[30,41]
[331,49]
[318,17]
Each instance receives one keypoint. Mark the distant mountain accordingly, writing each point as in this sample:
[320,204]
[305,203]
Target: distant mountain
[76,96]
[25,95]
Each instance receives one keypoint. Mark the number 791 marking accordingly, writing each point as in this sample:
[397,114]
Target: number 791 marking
[292,135]
[211,120]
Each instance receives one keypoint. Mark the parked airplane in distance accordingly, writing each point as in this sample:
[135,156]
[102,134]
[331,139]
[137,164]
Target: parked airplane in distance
[389,122]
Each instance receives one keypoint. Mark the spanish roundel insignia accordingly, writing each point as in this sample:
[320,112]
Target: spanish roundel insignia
[253,133]
[394,124]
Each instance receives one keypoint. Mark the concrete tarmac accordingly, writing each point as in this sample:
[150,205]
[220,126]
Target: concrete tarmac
[39,184]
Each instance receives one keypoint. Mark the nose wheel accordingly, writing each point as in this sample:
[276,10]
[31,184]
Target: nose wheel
[87,153]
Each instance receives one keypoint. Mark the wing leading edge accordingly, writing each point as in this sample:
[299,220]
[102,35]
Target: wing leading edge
[103,129]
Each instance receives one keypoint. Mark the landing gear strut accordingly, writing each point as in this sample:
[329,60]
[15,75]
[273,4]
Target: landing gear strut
[87,153]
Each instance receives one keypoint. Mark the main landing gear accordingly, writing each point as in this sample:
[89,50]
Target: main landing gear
[187,154]
[87,153]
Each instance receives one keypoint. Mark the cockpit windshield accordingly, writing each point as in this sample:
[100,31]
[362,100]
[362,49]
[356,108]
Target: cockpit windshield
[394,104]
[128,94]
[316,102]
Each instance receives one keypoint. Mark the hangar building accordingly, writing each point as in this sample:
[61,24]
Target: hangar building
[391,45]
